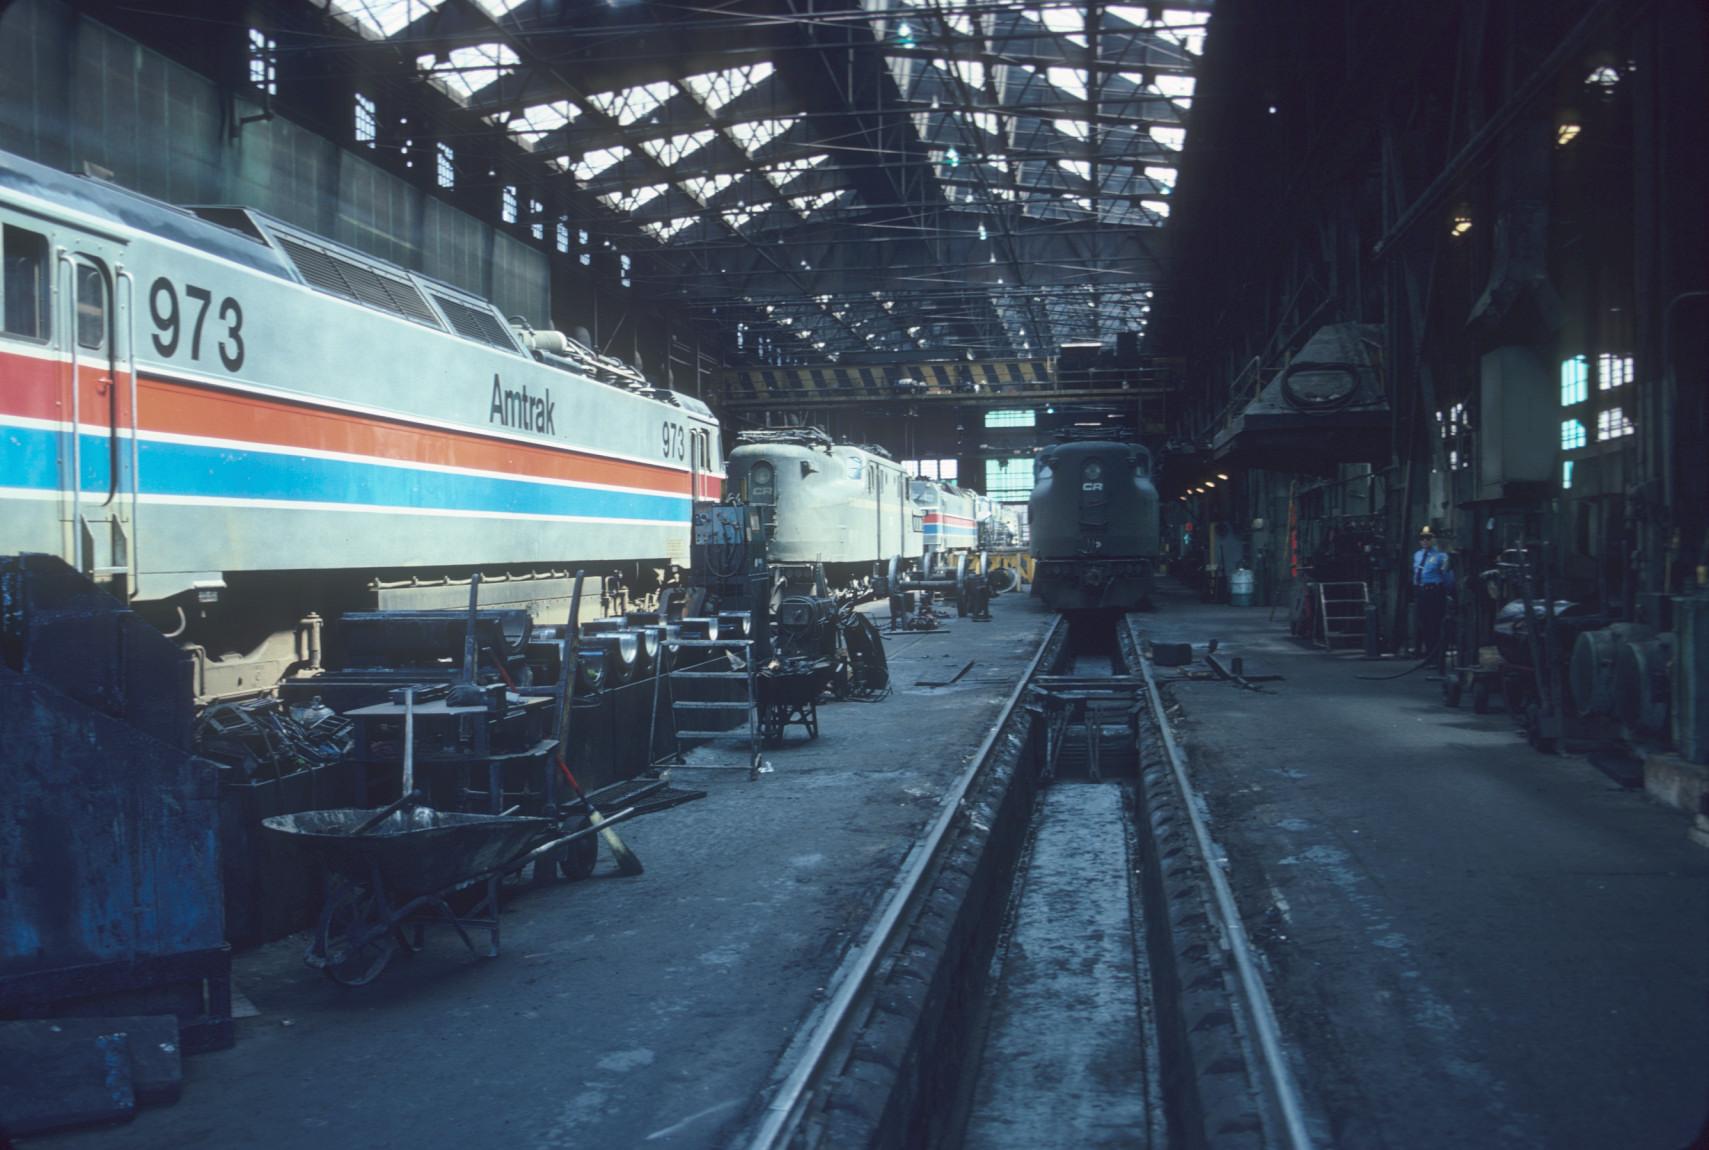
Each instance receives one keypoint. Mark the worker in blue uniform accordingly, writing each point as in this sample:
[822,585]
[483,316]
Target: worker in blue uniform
[1432,580]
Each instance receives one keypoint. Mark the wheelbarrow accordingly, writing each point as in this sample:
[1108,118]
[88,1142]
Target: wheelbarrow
[407,866]
[789,694]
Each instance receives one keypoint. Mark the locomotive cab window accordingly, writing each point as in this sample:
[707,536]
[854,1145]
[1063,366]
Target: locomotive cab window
[91,306]
[24,284]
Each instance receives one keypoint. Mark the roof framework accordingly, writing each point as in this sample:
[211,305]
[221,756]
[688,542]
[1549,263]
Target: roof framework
[946,176]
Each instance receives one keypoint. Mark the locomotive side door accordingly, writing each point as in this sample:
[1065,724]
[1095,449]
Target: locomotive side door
[94,297]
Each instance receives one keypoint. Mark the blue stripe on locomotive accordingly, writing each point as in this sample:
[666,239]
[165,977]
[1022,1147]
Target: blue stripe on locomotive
[31,461]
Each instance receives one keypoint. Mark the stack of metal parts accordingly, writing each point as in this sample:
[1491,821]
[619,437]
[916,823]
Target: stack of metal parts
[273,760]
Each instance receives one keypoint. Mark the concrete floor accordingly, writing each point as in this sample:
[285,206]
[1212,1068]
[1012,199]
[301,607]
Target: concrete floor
[623,1012]
[1468,943]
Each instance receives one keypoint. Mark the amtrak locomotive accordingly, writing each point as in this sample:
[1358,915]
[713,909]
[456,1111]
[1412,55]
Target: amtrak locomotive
[245,427]
[1094,522]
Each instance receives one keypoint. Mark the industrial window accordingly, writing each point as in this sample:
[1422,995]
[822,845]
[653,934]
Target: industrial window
[623,270]
[1013,418]
[91,307]
[447,166]
[24,288]
[1612,424]
[943,469]
[1572,434]
[1575,380]
[1613,371]
[263,62]
[563,236]
[507,204]
[1009,480]
[366,120]
[587,259]
[536,211]
[1566,474]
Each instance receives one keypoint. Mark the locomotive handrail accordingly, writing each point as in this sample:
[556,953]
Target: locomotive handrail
[69,289]
[122,275]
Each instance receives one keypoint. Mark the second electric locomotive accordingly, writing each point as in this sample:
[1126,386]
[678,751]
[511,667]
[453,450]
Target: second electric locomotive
[1094,523]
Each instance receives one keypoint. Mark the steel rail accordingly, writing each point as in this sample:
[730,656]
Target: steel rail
[1262,1013]
[784,1111]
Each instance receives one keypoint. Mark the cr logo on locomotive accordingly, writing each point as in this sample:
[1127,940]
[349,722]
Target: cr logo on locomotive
[674,440]
[169,322]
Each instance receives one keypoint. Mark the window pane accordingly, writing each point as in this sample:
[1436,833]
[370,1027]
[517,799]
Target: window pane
[1612,424]
[947,469]
[1575,380]
[91,307]
[1009,480]
[1010,418]
[24,290]
[1572,434]
[1613,371]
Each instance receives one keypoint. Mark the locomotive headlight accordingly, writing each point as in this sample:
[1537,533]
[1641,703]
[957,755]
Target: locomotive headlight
[1093,470]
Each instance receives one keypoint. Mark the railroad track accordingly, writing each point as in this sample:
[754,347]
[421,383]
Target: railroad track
[1060,961]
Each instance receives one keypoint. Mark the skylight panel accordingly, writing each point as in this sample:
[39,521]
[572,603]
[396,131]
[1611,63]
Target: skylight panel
[1079,129]
[1081,168]
[465,71]
[630,199]
[1071,81]
[1174,85]
[716,89]
[970,72]
[1162,176]
[1161,207]
[1172,138]
[737,218]
[595,162]
[756,134]
[1070,23]
[664,230]
[1138,17]
[627,105]
[786,173]
[534,122]
[380,19]
[809,206]
[669,151]
[703,188]
[497,8]
[1183,27]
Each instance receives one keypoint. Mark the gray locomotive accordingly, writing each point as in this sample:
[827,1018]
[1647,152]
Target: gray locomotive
[823,502]
[1095,533]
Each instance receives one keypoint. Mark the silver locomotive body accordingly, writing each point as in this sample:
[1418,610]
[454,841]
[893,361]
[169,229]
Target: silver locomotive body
[1094,522]
[188,407]
[823,502]
[949,517]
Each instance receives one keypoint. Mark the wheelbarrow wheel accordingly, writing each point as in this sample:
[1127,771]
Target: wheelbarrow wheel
[354,938]
[573,861]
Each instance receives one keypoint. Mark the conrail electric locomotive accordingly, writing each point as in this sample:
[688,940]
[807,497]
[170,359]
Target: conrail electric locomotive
[246,428]
[1094,523]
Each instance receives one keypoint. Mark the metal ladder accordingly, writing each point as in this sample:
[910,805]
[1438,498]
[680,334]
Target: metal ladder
[684,676]
[1341,614]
